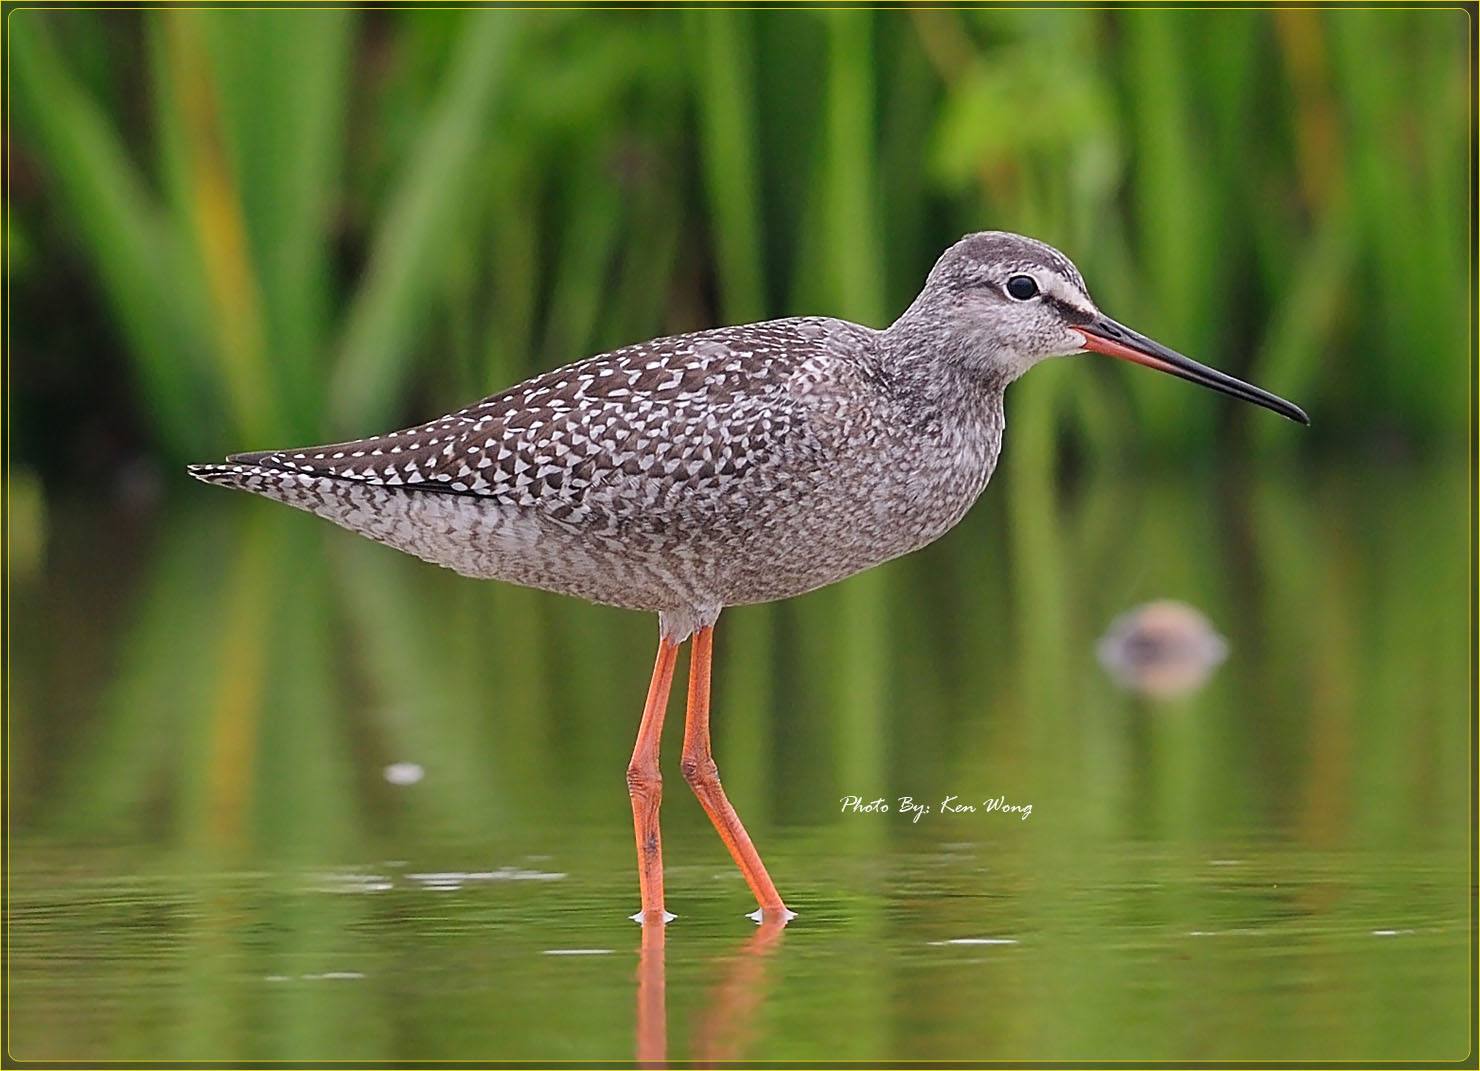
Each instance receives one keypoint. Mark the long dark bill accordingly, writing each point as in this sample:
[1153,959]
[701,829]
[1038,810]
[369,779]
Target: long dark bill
[1106,336]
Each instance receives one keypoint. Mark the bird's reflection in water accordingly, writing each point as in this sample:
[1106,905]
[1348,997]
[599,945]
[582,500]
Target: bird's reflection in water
[652,998]
[724,1026]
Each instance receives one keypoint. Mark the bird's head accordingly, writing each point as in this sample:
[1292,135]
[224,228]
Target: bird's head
[1001,303]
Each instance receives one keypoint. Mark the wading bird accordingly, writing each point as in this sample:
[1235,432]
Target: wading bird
[730,466]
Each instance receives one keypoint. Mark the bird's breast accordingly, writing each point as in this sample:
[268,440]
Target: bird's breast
[940,471]
[889,486]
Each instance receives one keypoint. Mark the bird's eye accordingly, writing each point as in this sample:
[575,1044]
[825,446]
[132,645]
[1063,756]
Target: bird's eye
[1022,287]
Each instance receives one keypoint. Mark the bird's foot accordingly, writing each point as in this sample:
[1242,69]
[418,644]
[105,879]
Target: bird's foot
[657,916]
[763,915]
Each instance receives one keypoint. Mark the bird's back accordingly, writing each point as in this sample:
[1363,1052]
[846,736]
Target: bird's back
[673,456]
[673,417]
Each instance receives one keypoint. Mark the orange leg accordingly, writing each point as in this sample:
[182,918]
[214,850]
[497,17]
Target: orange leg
[702,775]
[645,786]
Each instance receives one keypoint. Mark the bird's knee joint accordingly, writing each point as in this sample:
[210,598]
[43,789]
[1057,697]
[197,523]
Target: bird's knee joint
[644,781]
[700,771]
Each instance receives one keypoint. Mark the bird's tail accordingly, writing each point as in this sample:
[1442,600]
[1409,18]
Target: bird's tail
[255,478]
[475,536]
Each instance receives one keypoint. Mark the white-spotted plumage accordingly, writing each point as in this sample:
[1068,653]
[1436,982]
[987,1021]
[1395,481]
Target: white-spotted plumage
[685,474]
[737,465]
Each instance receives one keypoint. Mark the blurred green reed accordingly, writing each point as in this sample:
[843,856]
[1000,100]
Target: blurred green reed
[317,223]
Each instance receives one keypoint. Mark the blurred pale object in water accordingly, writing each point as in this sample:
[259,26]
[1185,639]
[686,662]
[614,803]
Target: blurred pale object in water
[1162,649]
[403,773]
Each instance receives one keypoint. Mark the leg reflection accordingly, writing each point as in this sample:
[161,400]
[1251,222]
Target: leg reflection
[652,1008]
[724,1027]
[727,1024]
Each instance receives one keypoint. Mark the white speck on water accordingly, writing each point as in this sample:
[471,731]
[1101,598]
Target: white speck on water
[456,879]
[578,951]
[404,773]
[355,883]
[668,916]
[1225,862]
[1389,933]
[514,873]
[977,941]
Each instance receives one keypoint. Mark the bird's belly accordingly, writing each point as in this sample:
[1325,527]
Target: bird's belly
[838,530]
[481,537]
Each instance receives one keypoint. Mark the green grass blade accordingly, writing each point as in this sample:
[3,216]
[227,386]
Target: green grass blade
[219,231]
[514,273]
[723,72]
[1172,196]
[593,216]
[282,79]
[417,229]
[852,209]
[120,226]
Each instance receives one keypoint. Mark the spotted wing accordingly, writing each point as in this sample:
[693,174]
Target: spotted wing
[622,432]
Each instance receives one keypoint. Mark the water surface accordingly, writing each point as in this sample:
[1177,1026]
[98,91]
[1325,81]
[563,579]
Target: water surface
[209,860]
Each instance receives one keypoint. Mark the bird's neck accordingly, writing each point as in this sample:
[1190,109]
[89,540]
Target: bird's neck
[937,365]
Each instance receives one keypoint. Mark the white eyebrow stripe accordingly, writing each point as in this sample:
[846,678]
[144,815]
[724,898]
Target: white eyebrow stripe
[1055,286]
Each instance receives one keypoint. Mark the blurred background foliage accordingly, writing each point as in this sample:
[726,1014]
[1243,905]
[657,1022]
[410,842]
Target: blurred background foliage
[239,228]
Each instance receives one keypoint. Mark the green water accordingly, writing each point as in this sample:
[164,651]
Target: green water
[207,860]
